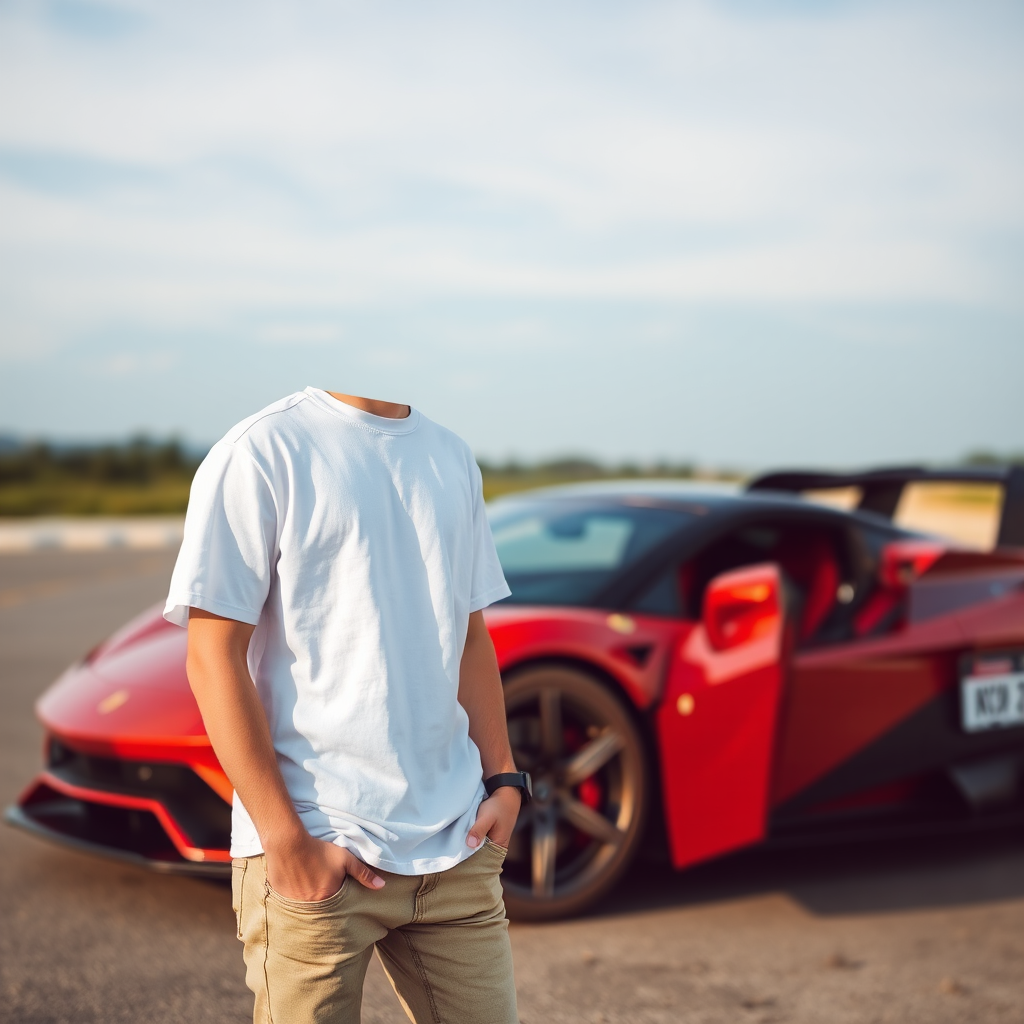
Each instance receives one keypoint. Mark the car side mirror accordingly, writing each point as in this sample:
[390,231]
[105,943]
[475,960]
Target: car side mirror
[742,605]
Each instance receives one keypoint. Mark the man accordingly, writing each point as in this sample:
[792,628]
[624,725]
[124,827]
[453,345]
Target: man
[335,563]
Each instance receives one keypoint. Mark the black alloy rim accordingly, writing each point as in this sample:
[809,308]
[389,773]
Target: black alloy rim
[585,785]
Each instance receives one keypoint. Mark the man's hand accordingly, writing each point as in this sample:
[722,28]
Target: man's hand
[310,870]
[496,818]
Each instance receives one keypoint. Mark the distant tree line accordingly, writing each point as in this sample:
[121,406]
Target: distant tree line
[994,459]
[513,475]
[137,477]
[581,468]
[141,461]
[138,462]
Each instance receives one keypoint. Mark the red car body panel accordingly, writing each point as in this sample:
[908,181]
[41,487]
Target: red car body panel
[840,699]
[631,649]
[134,699]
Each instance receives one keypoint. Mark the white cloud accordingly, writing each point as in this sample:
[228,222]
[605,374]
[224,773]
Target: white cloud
[675,151]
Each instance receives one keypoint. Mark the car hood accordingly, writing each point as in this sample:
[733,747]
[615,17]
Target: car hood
[126,694]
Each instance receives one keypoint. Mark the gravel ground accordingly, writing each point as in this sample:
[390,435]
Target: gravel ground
[924,933]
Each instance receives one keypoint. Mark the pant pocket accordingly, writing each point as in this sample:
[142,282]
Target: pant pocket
[312,906]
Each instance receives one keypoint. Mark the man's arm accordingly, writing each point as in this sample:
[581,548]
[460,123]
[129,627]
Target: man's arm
[481,695]
[299,867]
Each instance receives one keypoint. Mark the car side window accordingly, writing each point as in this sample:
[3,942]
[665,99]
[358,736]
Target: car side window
[662,596]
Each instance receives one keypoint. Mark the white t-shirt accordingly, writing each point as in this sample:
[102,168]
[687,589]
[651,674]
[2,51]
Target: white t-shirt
[358,547]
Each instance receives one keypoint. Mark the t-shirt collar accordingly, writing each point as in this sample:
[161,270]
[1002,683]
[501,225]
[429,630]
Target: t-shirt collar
[384,424]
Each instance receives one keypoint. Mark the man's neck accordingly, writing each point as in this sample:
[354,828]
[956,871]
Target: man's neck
[389,410]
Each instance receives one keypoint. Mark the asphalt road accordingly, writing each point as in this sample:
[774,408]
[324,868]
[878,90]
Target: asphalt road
[926,933]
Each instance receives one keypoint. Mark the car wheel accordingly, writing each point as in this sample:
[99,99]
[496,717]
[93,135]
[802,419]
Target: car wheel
[590,791]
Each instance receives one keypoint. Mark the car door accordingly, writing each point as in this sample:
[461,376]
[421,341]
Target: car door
[716,723]
[719,721]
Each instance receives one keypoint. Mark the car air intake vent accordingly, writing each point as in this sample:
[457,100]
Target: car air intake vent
[201,813]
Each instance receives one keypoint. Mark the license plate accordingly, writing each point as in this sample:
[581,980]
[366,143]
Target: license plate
[992,702]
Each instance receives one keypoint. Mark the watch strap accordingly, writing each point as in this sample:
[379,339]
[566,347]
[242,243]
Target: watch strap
[515,780]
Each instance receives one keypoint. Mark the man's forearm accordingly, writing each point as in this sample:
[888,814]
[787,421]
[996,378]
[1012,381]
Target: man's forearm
[237,724]
[481,696]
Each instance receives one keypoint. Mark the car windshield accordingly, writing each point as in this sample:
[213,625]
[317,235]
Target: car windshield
[562,552]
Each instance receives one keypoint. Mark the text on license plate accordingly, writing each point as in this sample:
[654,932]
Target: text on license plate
[989,702]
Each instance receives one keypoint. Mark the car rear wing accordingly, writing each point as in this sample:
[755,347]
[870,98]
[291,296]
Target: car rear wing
[881,489]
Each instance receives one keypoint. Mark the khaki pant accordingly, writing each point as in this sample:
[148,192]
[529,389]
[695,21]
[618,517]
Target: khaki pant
[442,938]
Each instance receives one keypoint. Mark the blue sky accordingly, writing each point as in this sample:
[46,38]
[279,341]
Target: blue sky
[739,233]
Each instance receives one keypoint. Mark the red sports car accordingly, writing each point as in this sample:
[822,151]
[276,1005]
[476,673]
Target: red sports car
[720,668]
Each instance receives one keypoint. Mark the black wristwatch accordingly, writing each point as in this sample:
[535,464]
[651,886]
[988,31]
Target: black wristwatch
[517,780]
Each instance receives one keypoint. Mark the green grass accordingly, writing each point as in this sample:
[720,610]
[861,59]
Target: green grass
[88,498]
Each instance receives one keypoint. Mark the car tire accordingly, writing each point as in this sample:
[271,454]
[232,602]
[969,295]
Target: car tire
[591,785]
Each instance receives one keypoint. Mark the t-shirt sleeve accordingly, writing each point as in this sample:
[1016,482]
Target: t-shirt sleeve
[488,579]
[224,565]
